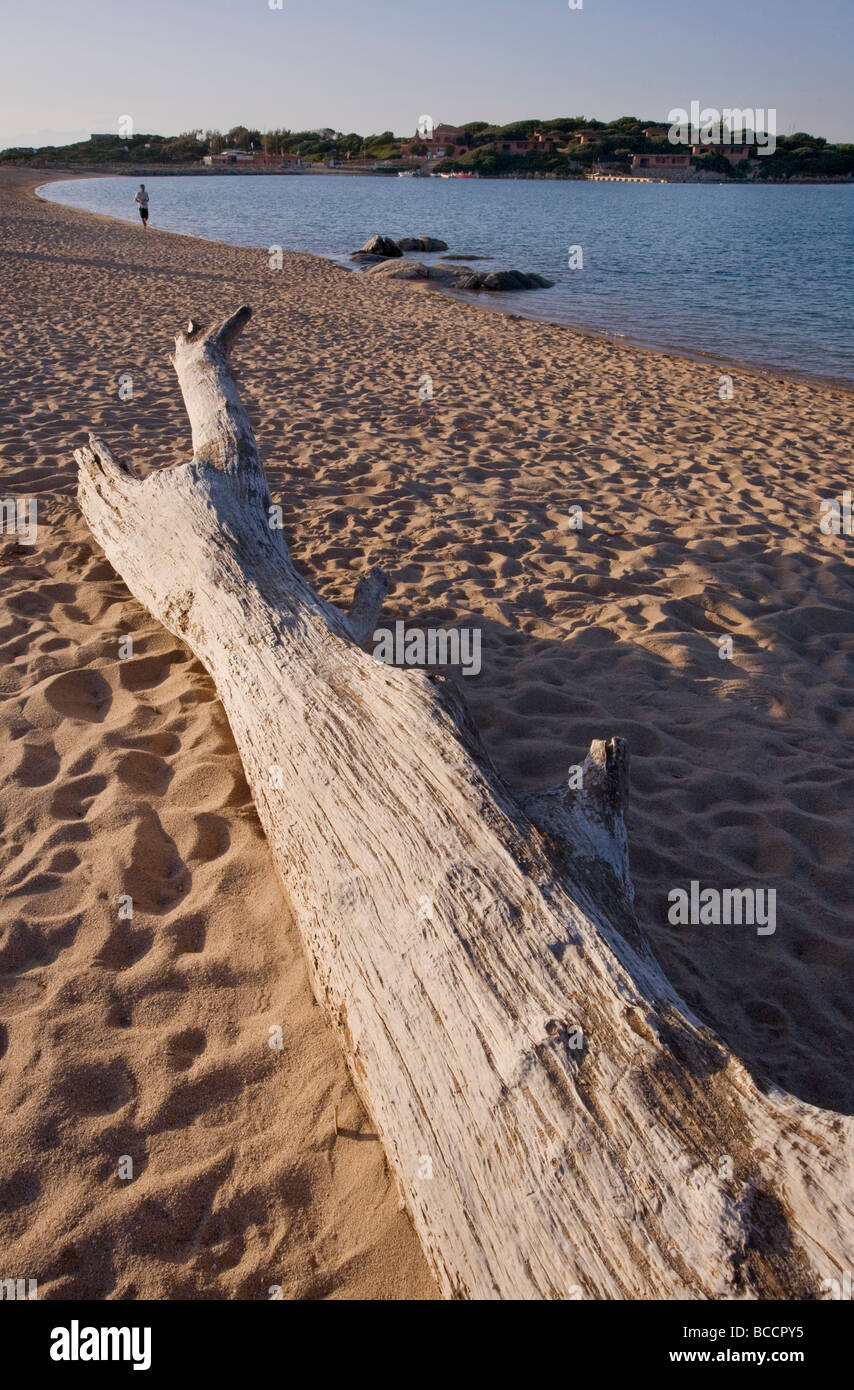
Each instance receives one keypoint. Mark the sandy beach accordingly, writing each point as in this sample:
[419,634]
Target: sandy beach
[150,1038]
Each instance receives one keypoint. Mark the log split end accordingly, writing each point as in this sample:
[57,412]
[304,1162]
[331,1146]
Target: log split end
[223,336]
[368,599]
[587,819]
[96,461]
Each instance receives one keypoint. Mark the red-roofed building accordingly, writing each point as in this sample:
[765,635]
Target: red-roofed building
[253,157]
[661,163]
[440,142]
[734,153]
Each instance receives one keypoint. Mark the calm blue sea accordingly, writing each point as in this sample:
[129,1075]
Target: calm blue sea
[753,274]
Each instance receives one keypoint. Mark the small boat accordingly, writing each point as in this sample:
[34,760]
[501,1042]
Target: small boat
[406,173]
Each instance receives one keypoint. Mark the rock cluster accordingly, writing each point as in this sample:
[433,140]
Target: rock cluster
[382,256]
[422,243]
[461,277]
[377,248]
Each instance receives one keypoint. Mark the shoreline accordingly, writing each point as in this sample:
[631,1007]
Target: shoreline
[193,170]
[726,365]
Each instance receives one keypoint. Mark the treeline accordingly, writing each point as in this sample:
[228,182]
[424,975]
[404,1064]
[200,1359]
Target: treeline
[116,149]
[313,146]
[578,143]
[616,142]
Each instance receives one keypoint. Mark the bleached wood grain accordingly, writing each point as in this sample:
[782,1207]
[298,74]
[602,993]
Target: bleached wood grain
[558,1123]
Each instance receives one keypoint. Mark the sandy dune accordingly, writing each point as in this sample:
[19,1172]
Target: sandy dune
[150,1038]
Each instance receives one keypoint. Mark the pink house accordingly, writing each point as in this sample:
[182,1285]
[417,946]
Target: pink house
[253,157]
[439,142]
[661,162]
[734,153]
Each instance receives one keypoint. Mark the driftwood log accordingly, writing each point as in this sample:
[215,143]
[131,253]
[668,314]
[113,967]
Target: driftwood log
[558,1123]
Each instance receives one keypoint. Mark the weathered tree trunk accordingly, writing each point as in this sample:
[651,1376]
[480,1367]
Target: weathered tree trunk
[558,1123]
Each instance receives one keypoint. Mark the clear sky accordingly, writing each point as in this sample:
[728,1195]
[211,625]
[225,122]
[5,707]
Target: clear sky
[69,67]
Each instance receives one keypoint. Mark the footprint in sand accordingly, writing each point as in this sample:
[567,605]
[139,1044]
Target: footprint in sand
[38,765]
[124,946]
[94,1088]
[146,672]
[83,695]
[72,801]
[144,773]
[189,935]
[184,1047]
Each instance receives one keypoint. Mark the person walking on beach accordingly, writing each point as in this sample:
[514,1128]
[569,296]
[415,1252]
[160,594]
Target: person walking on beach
[141,197]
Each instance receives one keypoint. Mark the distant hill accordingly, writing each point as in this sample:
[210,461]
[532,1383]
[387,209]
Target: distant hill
[561,147]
